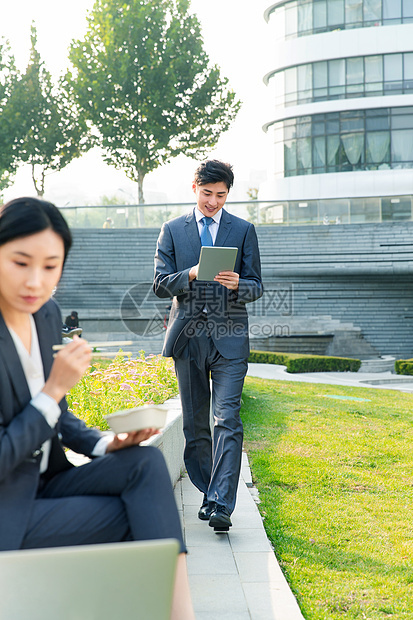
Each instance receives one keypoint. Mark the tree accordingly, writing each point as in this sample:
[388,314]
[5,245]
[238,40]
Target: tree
[146,83]
[54,131]
[252,209]
[9,124]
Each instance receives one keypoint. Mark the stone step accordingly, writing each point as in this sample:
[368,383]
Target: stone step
[308,344]
[351,343]
[382,364]
[150,345]
[393,380]
[316,281]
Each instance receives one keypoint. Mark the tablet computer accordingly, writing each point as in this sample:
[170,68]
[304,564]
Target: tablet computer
[214,259]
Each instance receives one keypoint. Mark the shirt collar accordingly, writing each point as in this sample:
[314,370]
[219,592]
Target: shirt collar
[216,218]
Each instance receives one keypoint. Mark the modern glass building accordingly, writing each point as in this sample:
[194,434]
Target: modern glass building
[342,85]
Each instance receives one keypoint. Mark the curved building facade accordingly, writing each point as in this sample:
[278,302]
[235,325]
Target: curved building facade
[342,86]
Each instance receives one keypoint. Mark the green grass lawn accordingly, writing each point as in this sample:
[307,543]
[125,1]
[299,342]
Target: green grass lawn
[335,478]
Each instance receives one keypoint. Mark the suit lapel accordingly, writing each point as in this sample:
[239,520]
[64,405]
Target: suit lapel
[13,366]
[11,359]
[191,229]
[224,228]
[46,340]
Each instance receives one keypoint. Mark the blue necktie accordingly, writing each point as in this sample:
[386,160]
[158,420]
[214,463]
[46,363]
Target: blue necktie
[206,238]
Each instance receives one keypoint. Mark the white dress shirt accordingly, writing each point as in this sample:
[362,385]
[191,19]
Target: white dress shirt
[33,370]
[213,227]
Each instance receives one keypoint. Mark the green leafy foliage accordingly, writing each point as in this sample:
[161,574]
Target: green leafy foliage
[296,362]
[146,84]
[404,367]
[122,384]
[9,118]
[52,130]
[335,482]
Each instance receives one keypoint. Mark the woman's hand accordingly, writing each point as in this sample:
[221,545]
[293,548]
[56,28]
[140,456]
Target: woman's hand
[69,366]
[125,440]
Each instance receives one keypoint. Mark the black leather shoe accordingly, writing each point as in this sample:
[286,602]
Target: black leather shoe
[220,519]
[205,510]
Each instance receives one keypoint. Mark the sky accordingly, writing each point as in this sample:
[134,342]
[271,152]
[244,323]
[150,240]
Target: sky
[236,37]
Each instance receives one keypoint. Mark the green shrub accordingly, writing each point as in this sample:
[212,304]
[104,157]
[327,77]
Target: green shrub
[268,357]
[404,367]
[296,362]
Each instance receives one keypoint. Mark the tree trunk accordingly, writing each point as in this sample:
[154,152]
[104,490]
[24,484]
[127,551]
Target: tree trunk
[38,187]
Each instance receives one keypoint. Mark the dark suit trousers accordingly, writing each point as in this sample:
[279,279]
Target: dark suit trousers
[124,495]
[213,465]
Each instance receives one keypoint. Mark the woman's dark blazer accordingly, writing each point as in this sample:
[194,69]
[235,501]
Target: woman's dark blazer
[23,430]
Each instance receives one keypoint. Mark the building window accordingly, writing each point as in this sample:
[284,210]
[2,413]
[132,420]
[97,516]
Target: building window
[305,17]
[373,75]
[396,209]
[392,11]
[361,76]
[341,211]
[345,141]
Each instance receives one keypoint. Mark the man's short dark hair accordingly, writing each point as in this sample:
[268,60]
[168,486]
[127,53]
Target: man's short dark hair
[214,171]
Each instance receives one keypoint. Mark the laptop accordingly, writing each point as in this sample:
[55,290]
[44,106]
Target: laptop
[131,580]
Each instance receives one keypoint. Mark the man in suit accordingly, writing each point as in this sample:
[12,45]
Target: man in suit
[207,335]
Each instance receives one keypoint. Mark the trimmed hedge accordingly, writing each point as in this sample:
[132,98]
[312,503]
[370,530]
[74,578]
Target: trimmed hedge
[404,367]
[295,362]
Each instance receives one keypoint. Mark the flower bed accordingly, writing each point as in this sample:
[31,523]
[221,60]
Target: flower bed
[122,384]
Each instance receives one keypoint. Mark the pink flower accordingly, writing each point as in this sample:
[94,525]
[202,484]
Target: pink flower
[125,386]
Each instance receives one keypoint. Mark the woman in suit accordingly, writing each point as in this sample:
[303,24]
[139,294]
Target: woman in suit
[124,493]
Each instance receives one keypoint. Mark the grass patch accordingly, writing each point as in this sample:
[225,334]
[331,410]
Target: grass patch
[335,479]
[122,384]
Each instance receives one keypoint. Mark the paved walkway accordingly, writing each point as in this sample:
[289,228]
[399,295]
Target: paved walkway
[382,380]
[236,576]
[233,576]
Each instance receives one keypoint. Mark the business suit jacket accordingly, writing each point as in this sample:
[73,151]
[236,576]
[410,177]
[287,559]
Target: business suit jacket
[23,429]
[177,251]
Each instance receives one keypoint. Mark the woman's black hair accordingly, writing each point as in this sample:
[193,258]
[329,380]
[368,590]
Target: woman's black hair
[22,217]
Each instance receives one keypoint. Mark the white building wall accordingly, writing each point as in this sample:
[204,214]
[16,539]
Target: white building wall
[326,46]
[341,185]
[344,44]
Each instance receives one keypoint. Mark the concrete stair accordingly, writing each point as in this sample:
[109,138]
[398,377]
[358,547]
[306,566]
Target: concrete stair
[315,335]
[380,365]
[350,282]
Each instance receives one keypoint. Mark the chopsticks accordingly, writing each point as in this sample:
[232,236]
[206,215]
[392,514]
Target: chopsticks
[114,343]
[111,353]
